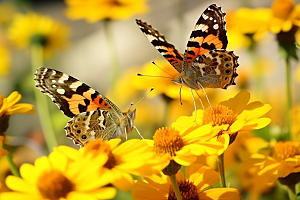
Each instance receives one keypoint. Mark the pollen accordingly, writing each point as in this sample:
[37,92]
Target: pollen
[187,189]
[100,146]
[218,116]
[282,8]
[167,140]
[54,185]
[284,150]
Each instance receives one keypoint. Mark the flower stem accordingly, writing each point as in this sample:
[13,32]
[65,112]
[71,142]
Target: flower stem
[41,100]
[288,92]
[222,170]
[291,192]
[112,50]
[13,168]
[175,187]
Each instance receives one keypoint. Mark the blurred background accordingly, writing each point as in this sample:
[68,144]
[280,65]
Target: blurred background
[106,54]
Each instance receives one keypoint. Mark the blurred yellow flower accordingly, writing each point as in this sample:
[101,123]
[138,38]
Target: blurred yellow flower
[279,161]
[7,10]
[31,28]
[232,116]
[282,16]
[9,107]
[55,177]
[3,152]
[184,143]
[192,186]
[131,157]
[95,10]
[5,60]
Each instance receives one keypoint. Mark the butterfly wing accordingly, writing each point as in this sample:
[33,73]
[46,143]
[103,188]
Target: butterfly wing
[209,33]
[69,94]
[166,49]
[90,125]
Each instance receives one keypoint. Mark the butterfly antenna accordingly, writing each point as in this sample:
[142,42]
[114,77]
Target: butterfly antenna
[139,74]
[205,95]
[161,69]
[141,99]
[138,132]
[194,104]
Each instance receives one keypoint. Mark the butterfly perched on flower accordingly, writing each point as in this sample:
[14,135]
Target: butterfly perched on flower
[93,115]
[205,63]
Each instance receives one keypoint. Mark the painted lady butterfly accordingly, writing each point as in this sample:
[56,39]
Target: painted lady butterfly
[205,63]
[93,115]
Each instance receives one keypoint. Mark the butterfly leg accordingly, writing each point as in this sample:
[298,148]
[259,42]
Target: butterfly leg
[138,132]
[200,99]
[125,134]
[180,94]
[194,104]
[205,95]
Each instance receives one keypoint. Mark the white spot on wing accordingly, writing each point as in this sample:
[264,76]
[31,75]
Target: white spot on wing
[216,26]
[204,16]
[53,81]
[161,39]
[75,85]
[60,91]
[210,18]
[63,78]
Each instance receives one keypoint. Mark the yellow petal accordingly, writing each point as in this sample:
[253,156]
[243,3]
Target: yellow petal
[220,193]
[13,98]
[104,193]
[238,103]
[124,182]
[28,173]
[19,195]
[256,124]
[18,184]
[21,108]
[185,160]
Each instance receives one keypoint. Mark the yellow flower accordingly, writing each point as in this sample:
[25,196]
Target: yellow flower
[9,107]
[185,142]
[34,28]
[230,117]
[281,160]
[95,10]
[192,186]
[282,16]
[7,10]
[131,157]
[55,177]
[3,152]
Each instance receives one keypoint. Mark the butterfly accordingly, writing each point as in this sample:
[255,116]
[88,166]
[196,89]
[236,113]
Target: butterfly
[93,115]
[205,63]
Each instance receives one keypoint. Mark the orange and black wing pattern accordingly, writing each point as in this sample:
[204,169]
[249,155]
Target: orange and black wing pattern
[69,94]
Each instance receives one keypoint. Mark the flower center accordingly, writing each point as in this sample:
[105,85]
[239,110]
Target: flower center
[282,8]
[100,146]
[218,116]
[284,150]
[53,185]
[187,189]
[167,140]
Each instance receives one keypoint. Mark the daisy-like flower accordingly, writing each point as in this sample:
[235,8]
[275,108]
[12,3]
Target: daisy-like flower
[281,161]
[9,107]
[281,17]
[3,152]
[192,186]
[95,10]
[185,142]
[131,157]
[231,117]
[34,28]
[56,177]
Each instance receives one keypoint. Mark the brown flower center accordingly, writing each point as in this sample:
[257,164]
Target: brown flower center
[167,140]
[284,150]
[282,8]
[53,185]
[187,189]
[100,146]
[218,116]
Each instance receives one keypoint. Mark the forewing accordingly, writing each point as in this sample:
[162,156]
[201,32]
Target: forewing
[209,33]
[69,94]
[166,49]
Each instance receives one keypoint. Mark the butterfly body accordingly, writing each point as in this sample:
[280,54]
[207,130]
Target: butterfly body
[206,63]
[93,115]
